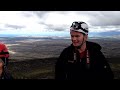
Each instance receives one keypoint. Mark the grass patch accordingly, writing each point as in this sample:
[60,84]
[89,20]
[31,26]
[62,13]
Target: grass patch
[116,70]
[44,68]
[36,74]
[33,69]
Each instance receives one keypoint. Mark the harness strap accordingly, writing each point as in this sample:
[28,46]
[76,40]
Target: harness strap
[87,60]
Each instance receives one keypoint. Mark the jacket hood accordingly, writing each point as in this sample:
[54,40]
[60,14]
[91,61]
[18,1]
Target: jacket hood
[93,45]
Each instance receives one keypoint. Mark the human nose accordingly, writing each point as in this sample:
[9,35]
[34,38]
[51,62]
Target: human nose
[73,38]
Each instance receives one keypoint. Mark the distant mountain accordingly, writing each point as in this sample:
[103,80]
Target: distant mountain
[107,34]
[112,34]
[8,35]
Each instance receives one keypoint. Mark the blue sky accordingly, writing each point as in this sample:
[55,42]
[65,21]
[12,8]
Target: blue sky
[56,23]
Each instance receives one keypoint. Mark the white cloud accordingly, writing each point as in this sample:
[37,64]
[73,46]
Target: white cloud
[56,18]
[35,22]
[16,18]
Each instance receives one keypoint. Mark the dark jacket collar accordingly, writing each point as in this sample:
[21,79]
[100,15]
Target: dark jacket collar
[90,45]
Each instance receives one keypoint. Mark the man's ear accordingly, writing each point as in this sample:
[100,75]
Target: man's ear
[86,37]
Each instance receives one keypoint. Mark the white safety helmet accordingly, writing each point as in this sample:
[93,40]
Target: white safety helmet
[79,26]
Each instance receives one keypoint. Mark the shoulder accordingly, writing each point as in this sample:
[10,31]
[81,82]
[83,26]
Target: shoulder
[93,45]
[67,50]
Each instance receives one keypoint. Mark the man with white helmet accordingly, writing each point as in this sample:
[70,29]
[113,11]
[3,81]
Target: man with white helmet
[82,60]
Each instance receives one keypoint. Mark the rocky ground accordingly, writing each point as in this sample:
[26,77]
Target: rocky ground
[35,58]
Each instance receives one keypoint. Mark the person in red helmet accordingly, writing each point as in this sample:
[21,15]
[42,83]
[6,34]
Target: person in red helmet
[4,58]
[82,60]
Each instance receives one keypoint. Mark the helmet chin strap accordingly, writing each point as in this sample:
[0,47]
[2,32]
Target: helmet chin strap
[78,47]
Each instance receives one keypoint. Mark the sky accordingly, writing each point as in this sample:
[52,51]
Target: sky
[57,23]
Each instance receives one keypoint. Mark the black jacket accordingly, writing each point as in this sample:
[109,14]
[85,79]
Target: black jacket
[68,69]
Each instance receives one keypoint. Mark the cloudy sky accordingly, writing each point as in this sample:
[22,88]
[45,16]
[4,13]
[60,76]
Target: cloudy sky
[56,22]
